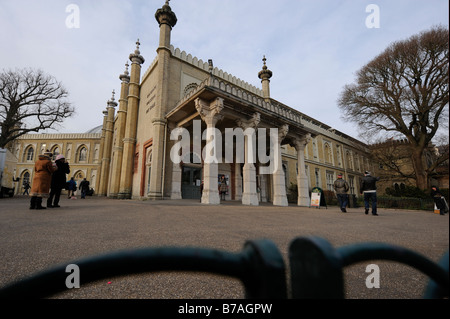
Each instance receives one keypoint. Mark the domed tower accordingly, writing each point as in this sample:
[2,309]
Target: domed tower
[265,74]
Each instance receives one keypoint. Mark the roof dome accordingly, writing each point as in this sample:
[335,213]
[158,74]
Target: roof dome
[97,129]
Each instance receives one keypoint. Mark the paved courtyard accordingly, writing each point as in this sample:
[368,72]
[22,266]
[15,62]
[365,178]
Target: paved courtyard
[33,240]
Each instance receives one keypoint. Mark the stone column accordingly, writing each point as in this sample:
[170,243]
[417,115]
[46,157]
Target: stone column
[166,19]
[176,171]
[250,195]
[210,114]
[100,155]
[302,178]
[129,140]
[237,181]
[279,183]
[120,133]
[106,160]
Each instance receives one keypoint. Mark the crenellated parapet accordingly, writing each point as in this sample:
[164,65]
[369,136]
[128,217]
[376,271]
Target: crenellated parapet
[199,63]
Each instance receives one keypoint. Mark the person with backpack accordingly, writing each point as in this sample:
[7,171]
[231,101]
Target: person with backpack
[84,187]
[71,187]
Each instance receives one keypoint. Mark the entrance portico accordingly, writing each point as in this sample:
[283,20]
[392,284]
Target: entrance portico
[223,108]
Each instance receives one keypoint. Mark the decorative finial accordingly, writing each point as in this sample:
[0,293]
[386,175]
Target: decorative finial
[165,15]
[137,47]
[125,77]
[136,56]
[211,66]
[112,103]
[264,73]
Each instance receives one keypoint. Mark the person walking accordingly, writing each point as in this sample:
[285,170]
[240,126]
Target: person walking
[439,200]
[341,188]
[368,187]
[26,187]
[223,187]
[71,188]
[43,170]
[58,181]
[84,187]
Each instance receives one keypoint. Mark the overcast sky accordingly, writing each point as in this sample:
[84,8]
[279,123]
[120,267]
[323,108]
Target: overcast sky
[313,47]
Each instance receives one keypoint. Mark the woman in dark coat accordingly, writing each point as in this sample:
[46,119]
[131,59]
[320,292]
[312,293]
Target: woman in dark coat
[58,181]
[43,170]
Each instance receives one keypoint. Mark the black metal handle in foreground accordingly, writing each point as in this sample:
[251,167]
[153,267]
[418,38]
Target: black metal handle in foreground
[316,268]
[259,266]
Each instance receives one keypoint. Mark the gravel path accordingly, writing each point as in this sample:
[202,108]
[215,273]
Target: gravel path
[33,240]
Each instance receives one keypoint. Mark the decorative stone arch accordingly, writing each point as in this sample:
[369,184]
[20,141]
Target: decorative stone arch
[78,176]
[189,88]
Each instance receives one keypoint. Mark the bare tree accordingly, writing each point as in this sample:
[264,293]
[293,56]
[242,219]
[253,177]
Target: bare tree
[403,92]
[30,101]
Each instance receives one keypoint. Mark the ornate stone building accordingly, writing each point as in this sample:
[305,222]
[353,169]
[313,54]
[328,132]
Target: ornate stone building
[133,157]
[180,91]
[82,151]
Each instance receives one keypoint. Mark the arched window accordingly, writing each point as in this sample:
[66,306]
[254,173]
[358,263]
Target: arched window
[82,154]
[328,155]
[29,154]
[349,160]
[26,178]
[55,151]
[78,176]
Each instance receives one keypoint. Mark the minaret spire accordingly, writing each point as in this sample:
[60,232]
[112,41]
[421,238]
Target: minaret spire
[265,74]
[119,127]
[129,141]
[109,132]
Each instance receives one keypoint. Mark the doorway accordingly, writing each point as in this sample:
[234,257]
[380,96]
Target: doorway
[190,182]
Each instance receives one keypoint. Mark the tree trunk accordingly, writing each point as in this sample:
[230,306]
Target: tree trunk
[419,168]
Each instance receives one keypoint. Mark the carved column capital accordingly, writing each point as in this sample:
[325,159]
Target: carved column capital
[300,142]
[210,113]
[253,122]
[282,132]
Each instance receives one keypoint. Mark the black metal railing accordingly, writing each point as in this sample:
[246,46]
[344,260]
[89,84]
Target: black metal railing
[316,268]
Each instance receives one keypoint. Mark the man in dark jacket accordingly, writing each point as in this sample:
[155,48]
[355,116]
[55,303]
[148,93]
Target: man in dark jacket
[58,181]
[439,200]
[368,187]
[84,187]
